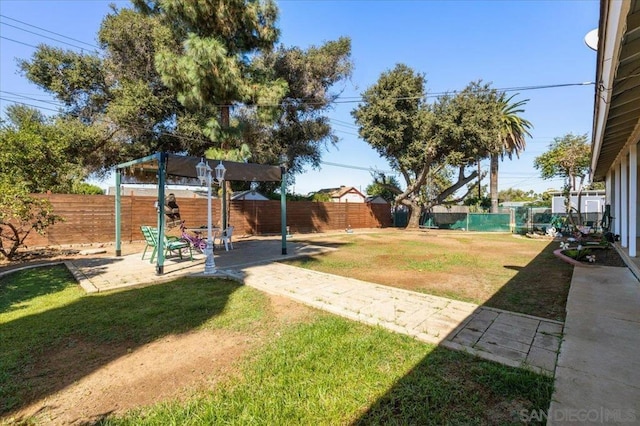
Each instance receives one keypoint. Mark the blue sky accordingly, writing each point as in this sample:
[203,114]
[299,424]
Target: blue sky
[512,44]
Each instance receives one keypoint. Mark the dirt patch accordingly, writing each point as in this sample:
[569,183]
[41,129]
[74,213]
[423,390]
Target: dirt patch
[173,367]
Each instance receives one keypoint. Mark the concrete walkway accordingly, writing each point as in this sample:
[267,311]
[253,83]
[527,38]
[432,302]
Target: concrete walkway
[511,339]
[508,338]
[598,372]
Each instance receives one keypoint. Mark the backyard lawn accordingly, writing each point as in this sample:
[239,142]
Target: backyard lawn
[196,351]
[499,270]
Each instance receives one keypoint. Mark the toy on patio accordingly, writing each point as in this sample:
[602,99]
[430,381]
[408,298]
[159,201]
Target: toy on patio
[194,239]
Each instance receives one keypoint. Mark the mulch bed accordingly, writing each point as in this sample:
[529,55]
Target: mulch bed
[607,257]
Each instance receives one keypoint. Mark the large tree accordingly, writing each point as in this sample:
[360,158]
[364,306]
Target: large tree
[513,129]
[568,157]
[118,94]
[34,158]
[38,153]
[420,139]
[192,76]
[299,126]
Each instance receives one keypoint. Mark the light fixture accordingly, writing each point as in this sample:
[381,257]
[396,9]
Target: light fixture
[203,170]
[220,172]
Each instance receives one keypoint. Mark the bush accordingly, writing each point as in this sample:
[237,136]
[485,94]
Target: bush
[21,213]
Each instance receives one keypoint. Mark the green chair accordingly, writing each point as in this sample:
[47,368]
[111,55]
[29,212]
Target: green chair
[171,244]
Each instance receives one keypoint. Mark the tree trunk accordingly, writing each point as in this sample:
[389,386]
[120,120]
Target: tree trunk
[479,183]
[493,183]
[414,216]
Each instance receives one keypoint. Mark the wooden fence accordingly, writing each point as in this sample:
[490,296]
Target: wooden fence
[90,219]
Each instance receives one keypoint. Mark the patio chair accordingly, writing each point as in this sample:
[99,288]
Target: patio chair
[171,244]
[225,238]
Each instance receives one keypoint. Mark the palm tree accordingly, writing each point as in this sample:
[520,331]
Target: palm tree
[512,134]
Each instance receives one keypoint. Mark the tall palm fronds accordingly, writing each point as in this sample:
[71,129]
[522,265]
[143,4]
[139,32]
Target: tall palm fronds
[512,134]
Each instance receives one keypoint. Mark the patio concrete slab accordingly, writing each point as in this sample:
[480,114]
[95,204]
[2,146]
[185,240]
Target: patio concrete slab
[598,369]
[454,324]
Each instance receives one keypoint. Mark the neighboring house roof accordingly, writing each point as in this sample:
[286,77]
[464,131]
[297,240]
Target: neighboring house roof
[248,195]
[375,200]
[341,192]
[617,100]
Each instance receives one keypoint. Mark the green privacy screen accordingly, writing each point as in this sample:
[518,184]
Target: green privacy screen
[497,222]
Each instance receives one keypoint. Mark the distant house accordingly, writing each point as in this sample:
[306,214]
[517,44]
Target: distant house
[376,199]
[590,201]
[344,194]
[248,195]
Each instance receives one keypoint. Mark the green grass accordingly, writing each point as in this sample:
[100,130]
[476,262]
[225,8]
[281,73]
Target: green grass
[440,262]
[497,270]
[334,371]
[324,370]
[56,313]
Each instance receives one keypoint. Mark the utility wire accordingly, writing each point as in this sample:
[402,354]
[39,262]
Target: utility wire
[58,104]
[367,169]
[48,31]
[42,35]
[19,42]
[28,104]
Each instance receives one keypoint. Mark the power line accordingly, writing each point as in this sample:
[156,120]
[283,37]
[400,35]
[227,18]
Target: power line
[19,42]
[58,104]
[45,30]
[367,169]
[28,104]
[42,35]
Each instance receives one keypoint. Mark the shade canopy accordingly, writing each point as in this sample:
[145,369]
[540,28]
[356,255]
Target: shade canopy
[181,170]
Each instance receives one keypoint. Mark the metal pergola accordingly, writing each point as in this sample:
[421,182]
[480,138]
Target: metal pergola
[163,168]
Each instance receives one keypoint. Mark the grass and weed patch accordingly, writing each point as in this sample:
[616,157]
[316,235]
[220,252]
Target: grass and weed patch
[497,270]
[335,371]
[56,314]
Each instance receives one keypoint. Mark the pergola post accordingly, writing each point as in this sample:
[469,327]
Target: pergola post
[283,201]
[118,210]
[162,160]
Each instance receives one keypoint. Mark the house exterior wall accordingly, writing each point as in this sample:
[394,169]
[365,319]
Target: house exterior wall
[589,203]
[351,197]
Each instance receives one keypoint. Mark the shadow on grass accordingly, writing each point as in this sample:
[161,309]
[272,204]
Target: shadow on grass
[451,387]
[510,394]
[73,340]
[540,288]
